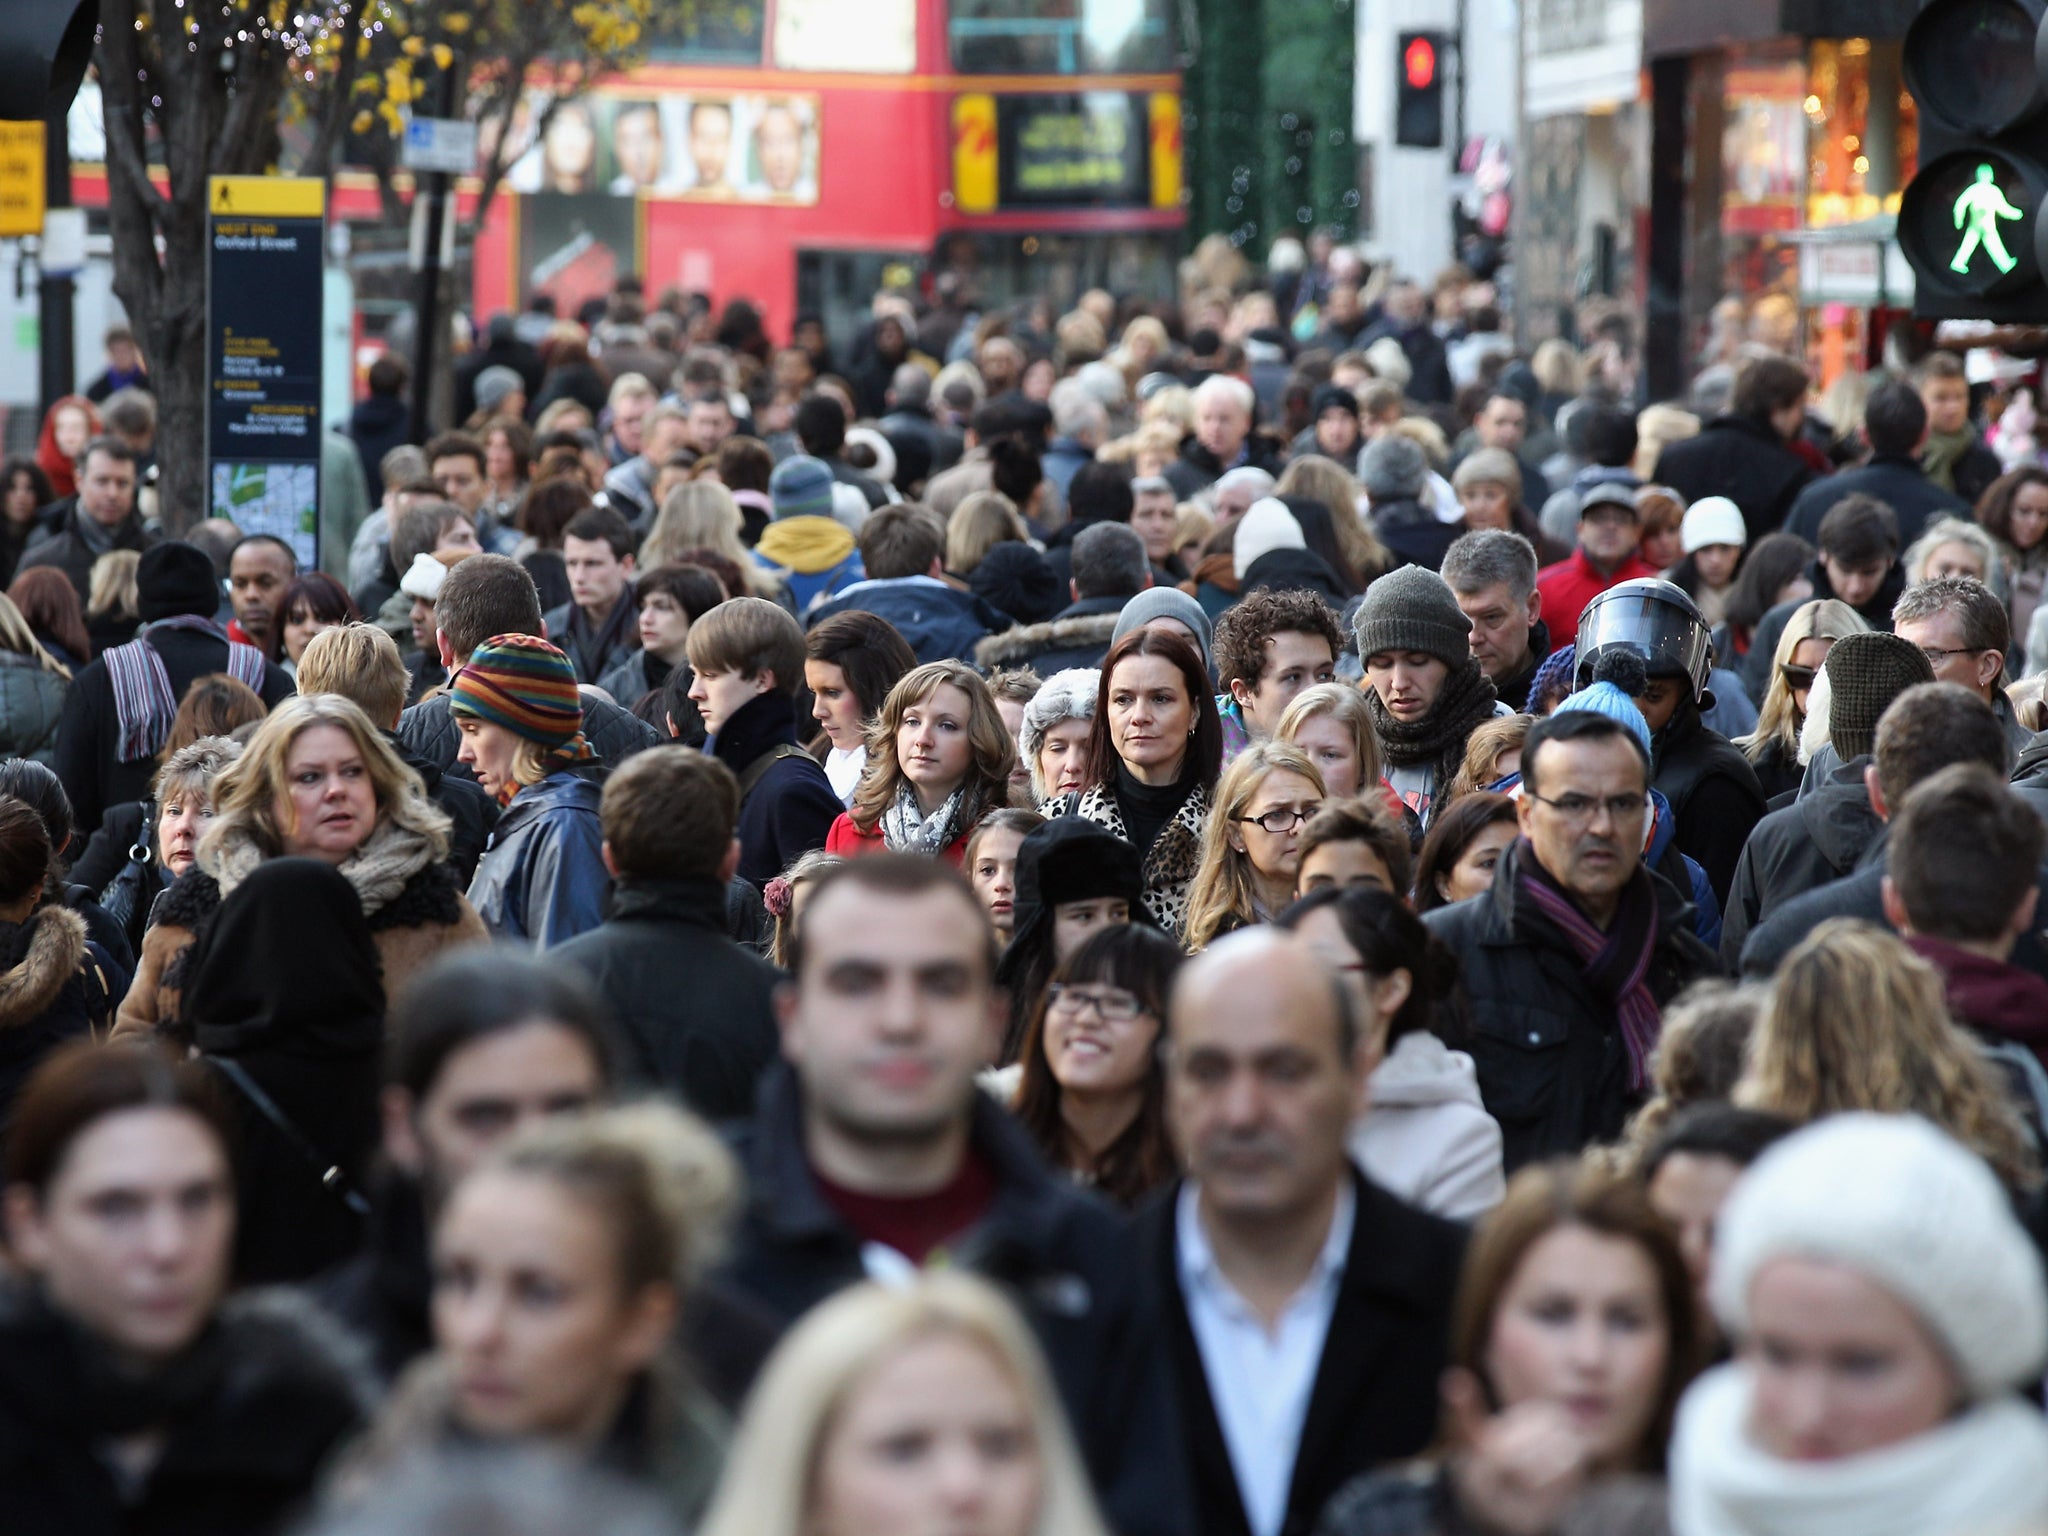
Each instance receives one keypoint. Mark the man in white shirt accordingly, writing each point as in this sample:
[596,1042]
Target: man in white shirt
[1307,1310]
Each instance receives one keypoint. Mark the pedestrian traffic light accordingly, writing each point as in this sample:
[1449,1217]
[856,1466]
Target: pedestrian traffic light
[1419,90]
[45,46]
[1970,222]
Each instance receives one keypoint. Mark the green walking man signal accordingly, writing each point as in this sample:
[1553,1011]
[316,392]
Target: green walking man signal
[1980,206]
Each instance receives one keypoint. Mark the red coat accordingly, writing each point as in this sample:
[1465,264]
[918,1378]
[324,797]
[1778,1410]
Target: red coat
[1572,583]
[849,842]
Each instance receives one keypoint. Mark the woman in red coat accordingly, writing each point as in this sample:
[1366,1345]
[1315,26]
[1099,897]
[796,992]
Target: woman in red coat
[939,760]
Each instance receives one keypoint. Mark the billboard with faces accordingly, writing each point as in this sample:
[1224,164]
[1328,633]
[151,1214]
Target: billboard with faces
[741,147]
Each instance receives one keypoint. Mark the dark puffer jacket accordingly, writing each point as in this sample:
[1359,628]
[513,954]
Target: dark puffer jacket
[55,985]
[1553,1068]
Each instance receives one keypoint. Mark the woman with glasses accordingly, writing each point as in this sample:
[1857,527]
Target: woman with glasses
[1251,849]
[1092,1094]
[1773,748]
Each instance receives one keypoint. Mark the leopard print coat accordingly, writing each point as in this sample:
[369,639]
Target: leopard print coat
[1170,866]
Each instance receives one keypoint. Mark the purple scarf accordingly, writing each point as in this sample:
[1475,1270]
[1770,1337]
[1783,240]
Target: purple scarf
[1615,964]
[143,703]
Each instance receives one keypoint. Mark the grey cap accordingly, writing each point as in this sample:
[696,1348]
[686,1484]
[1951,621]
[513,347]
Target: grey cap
[1165,603]
[494,384]
[1608,493]
[1393,468]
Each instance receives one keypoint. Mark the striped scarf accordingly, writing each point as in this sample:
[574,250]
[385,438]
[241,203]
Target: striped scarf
[1615,964]
[144,705]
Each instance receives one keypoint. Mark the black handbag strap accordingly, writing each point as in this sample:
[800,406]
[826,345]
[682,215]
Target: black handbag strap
[331,1177]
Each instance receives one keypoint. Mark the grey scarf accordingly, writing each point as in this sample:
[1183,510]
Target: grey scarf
[906,830]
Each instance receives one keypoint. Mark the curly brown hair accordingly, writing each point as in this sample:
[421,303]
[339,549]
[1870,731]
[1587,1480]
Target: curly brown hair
[1244,629]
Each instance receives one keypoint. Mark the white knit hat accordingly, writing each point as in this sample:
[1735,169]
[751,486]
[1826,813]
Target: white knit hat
[423,578]
[1712,520]
[1267,525]
[1911,1209]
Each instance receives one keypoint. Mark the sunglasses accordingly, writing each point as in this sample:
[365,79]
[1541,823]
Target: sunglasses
[1798,677]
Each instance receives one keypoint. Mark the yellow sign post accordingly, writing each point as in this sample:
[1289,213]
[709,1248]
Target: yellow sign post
[21,179]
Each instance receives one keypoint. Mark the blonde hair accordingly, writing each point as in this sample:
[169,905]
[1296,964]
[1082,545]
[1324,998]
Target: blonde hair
[1779,720]
[1174,405]
[1327,481]
[771,1472]
[1225,891]
[111,587]
[17,637]
[249,792]
[981,522]
[662,1178]
[359,661]
[1558,367]
[701,514]
[1426,435]
[1950,530]
[992,754]
[1490,741]
[1857,1021]
[1657,428]
[1346,705]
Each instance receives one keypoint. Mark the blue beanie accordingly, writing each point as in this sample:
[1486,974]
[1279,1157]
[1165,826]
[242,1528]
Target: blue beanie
[1612,698]
[801,486]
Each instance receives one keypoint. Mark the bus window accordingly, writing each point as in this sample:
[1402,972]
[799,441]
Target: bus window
[875,37]
[1085,37]
[728,33]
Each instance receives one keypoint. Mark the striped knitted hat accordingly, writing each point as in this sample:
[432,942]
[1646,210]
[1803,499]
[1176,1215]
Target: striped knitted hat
[525,685]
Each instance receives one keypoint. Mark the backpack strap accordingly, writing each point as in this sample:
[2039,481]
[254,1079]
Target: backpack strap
[757,770]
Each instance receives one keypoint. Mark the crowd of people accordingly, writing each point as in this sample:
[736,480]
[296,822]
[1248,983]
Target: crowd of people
[1248,917]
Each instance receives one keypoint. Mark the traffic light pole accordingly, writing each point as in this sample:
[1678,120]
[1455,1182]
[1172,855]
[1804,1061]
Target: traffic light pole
[57,345]
[436,187]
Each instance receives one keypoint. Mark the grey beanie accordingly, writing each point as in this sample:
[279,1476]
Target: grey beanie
[1413,609]
[1393,468]
[1165,603]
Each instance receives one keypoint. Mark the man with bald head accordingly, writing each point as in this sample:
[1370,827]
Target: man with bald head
[1307,1311]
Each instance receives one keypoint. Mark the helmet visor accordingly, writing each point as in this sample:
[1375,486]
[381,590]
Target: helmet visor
[1669,639]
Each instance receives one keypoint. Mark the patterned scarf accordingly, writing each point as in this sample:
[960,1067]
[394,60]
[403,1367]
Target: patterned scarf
[906,830]
[1615,964]
[144,705]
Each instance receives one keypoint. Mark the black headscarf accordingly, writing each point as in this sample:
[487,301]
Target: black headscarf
[287,964]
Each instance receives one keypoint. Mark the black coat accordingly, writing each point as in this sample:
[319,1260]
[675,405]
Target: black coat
[791,806]
[1742,460]
[269,1393]
[1553,1069]
[697,1011]
[63,546]
[469,806]
[88,732]
[1063,1255]
[1414,534]
[427,733]
[1714,794]
[1859,895]
[1893,479]
[1197,467]
[1798,849]
[1375,1393]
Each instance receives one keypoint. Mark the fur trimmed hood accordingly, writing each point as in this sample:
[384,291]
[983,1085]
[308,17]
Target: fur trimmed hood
[1029,641]
[41,957]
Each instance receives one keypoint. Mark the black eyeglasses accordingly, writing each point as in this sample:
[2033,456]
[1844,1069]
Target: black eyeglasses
[1282,820]
[1797,677]
[1622,808]
[1112,1004]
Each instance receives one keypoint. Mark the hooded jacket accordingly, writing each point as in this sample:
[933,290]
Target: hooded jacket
[1820,837]
[1426,1136]
[542,877]
[938,621]
[812,556]
[1063,1255]
[55,985]
[1078,636]
[697,1011]
[1553,1069]
[1294,570]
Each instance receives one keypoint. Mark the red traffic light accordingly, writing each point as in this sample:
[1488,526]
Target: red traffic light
[1418,63]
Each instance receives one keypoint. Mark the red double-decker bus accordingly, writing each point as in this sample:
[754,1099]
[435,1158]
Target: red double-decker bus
[803,153]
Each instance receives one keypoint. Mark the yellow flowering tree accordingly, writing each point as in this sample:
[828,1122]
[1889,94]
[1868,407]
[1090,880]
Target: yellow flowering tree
[200,88]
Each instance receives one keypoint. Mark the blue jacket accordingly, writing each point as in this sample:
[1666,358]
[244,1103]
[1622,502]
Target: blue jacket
[1706,911]
[542,877]
[940,622]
